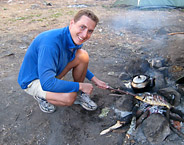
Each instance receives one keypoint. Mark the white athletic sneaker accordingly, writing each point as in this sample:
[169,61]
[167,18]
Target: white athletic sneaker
[44,105]
[85,101]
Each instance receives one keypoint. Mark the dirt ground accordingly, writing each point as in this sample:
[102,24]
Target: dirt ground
[122,35]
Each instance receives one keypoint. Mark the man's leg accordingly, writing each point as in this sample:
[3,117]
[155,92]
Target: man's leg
[47,100]
[79,66]
[34,89]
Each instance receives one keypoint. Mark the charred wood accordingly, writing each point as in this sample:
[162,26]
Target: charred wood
[142,117]
[128,136]
[176,111]
[175,130]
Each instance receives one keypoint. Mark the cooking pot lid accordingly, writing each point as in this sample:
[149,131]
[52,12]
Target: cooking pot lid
[139,79]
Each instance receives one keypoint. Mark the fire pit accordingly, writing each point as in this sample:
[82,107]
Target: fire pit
[148,104]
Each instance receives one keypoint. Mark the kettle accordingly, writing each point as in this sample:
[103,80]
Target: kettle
[142,83]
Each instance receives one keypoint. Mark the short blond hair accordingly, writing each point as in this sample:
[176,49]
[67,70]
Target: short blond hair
[87,13]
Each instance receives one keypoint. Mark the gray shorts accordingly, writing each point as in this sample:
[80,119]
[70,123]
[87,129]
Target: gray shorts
[35,89]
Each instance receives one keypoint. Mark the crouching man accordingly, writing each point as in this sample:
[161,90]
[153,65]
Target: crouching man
[51,55]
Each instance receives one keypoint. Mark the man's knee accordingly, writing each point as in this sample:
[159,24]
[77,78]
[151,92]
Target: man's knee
[82,56]
[70,101]
[64,99]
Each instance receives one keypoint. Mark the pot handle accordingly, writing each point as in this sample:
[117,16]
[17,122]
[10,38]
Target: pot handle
[152,82]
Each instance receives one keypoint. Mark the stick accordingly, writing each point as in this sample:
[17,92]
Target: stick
[115,126]
[121,91]
[174,33]
[120,131]
[117,95]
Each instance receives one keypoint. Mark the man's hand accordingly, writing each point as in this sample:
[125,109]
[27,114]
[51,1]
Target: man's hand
[86,88]
[100,84]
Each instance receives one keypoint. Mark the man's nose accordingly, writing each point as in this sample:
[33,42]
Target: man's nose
[85,33]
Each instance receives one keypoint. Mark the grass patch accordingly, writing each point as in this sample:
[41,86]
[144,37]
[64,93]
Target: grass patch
[23,18]
[56,15]
[71,13]
[27,17]
[39,20]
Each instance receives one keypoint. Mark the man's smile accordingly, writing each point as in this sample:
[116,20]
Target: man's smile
[80,38]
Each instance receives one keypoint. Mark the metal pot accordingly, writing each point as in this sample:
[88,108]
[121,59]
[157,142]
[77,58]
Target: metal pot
[142,83]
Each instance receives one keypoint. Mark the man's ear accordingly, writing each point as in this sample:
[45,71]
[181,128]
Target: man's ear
[72,22]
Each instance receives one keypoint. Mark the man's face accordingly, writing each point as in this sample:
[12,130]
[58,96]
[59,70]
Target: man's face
[82,29]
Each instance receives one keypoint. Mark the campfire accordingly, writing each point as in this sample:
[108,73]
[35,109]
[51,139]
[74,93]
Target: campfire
[147,103]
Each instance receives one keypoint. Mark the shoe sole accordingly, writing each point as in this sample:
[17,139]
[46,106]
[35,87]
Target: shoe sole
[45,111]
[41,108]
[91,108]
[86,105]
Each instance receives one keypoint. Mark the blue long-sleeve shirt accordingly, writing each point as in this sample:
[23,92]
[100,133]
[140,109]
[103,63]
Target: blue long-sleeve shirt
[46,58]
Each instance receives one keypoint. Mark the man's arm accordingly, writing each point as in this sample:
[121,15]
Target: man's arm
[47,64]
[100,84]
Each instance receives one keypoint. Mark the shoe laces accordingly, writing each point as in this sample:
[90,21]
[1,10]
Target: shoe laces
[46,104]
[85,97]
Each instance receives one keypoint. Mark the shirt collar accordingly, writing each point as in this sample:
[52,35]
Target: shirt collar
[71,44]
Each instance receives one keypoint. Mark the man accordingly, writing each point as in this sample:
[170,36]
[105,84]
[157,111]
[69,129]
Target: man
[51,55]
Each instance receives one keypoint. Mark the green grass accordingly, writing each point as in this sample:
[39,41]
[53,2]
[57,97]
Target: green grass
[56,15]
[39,20]
[71,13]
[27,17]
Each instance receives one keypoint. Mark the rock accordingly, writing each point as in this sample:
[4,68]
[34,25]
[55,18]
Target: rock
[78,6]
[112,73]
[125,103]
[124,76]
[172,96]
[160,81]
[156,132]
[35,6]
[48,4]
[164,71]
[157,62]
[180,80]
[181,89]
[6,54]
[9,1]
[123,106]
[137,66]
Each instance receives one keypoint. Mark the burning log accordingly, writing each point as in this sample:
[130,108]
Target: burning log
[142,117]
[128,136]
[179,133]
[132,126]
[176,111]
[176,118]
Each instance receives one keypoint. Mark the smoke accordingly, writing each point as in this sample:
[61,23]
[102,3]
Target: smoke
[142,20]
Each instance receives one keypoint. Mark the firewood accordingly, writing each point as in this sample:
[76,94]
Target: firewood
[174,33]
